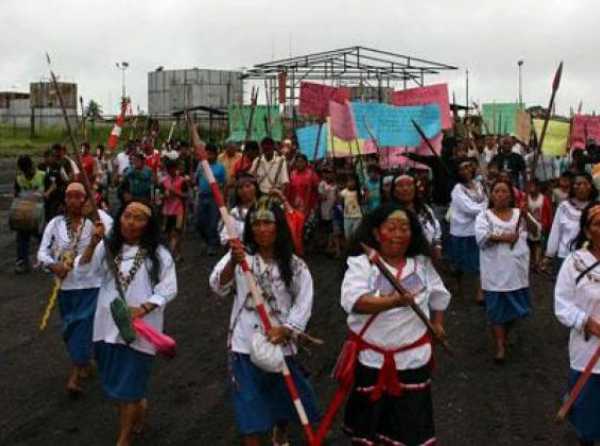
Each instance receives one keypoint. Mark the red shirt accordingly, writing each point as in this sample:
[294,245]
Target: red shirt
[153,161]
[303,190]
[88,162]
[242,165]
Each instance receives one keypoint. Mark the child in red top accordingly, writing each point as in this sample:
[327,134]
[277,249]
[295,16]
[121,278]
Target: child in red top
[173,187]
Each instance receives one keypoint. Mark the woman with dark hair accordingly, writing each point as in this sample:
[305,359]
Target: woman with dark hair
[468,200]
[148,280]
[246,193]
[404,193]
[501,233]
[390,401]
[260,398]
[302,191]
[29,185]
[566,219]
[64,238]
[576,298]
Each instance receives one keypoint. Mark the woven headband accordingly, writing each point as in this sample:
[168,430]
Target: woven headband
[137,207]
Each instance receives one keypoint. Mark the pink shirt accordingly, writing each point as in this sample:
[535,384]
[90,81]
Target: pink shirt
[172,204]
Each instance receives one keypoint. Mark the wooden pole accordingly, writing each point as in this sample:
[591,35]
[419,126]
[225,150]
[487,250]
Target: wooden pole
[375,258]
[429,145]
[578,387]
[555,85]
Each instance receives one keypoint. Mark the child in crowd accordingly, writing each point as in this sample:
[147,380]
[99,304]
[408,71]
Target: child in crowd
[352,200]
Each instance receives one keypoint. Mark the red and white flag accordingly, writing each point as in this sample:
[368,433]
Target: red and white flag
[113,139]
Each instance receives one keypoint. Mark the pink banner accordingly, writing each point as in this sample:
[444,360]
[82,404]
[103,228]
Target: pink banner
[314,98]
[342,122]
[584,126]
[432,94]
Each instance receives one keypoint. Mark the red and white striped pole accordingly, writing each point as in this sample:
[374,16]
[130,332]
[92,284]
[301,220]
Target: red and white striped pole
[113,139]
[250,280]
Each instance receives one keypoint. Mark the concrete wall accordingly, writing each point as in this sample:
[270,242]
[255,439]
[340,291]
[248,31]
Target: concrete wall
[18,114]
[172,90]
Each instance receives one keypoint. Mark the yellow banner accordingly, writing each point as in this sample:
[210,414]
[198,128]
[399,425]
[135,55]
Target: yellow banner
[557,136]
[343,148]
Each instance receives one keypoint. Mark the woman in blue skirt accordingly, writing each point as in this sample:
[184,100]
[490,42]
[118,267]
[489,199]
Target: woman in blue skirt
[468,199]
[260,398]
[501,233]
[576,304]
[148,280]
[65,236]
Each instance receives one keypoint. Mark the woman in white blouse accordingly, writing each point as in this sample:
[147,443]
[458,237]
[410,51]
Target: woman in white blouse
[565,225]
[390,401]
[468,199]
[501,233]
[148,280]
[64,238]
[260,398]
[577,306]
[246,193]
[404,193]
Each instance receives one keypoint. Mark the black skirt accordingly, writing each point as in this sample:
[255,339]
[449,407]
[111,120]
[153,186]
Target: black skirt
[406,419]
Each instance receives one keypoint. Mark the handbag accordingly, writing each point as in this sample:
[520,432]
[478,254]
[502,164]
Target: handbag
[265,355]
[119,311]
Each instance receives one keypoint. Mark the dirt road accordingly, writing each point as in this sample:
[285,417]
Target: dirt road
[476,402]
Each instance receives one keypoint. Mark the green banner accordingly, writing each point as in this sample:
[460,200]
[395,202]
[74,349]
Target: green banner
[500,119]
[266,122]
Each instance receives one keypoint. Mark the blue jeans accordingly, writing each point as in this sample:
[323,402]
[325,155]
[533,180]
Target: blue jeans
[207,220]
[23,238]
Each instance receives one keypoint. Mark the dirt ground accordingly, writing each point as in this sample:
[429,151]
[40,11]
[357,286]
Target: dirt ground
[476,402]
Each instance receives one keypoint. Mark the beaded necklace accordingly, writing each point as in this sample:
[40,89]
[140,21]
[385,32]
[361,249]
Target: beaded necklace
[126,280]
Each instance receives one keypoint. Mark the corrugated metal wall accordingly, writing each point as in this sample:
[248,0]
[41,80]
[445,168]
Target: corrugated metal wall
[172,90]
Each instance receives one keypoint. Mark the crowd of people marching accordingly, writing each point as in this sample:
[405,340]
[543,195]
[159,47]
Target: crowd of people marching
[488,208]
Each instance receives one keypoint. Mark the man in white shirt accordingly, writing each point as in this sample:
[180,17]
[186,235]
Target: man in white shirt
[122,160]
[270,169]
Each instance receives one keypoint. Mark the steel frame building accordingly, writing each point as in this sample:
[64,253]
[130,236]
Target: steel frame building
[350,66]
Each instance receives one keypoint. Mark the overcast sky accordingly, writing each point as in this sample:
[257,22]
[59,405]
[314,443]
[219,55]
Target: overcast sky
[85,38]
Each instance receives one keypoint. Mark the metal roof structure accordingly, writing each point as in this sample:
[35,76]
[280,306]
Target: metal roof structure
[356,66]
[351,64]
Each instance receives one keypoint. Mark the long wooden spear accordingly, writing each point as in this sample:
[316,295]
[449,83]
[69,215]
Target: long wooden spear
[253,100]
[555,85]
[375,258]
[429,145]
[578,387]
[85,180]
[248,276]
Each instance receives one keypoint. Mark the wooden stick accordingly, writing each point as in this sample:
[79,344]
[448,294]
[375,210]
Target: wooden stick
[253,99]
[86,182]
[375,258]
[429,145]
[578,387]
[318,142]
[555,85]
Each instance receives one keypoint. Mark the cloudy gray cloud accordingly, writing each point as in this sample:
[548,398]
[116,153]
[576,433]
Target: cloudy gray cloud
[86,38]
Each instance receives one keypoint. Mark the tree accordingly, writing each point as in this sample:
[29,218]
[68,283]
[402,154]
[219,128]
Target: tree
[93,111]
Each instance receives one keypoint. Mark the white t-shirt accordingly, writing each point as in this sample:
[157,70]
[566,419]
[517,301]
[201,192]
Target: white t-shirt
[123,162]
[351,205]
[328,193]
